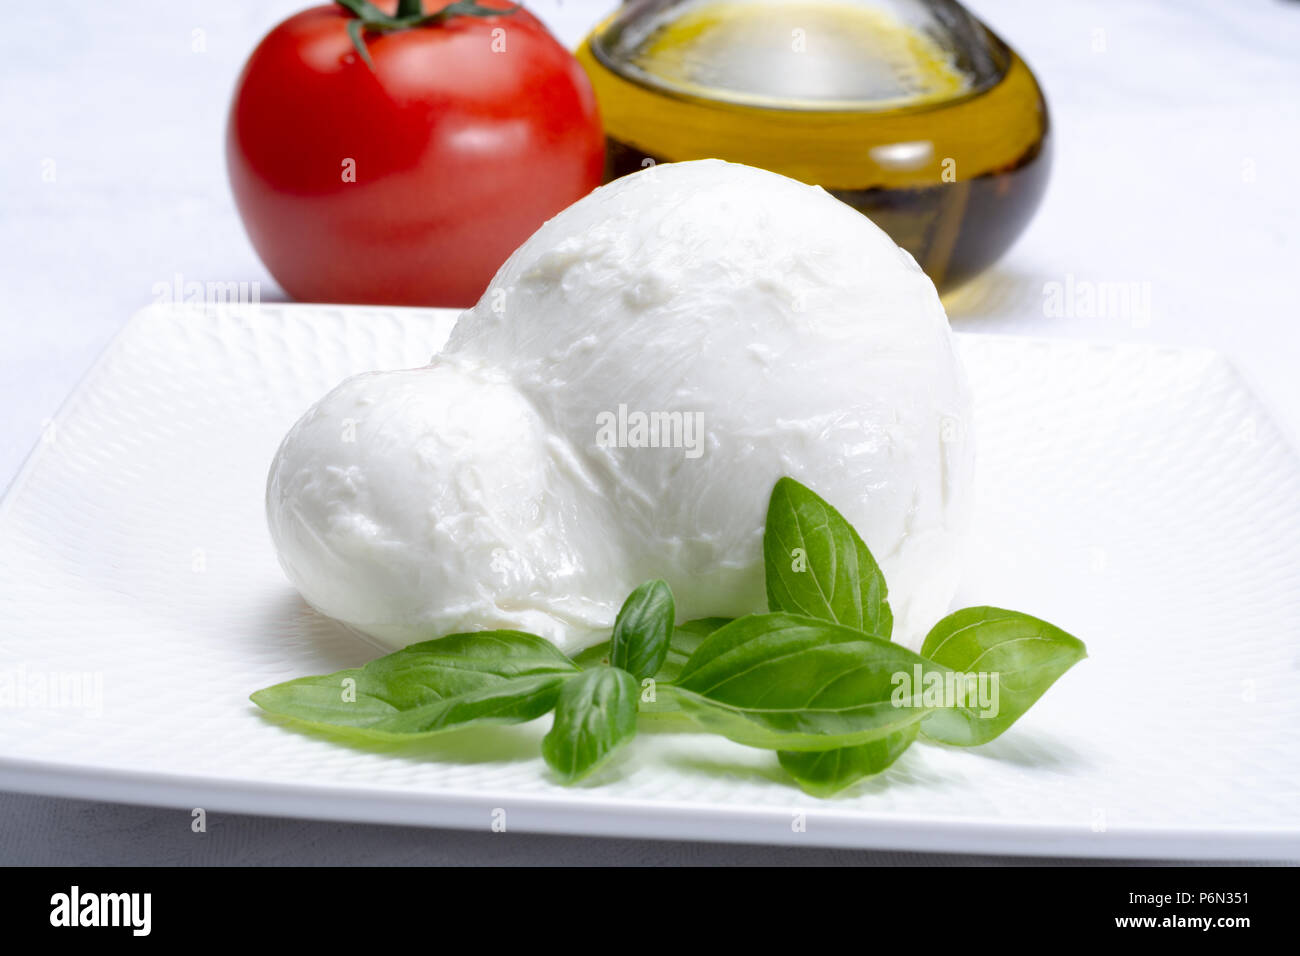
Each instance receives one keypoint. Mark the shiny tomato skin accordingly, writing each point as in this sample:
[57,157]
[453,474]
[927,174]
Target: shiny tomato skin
[459,150]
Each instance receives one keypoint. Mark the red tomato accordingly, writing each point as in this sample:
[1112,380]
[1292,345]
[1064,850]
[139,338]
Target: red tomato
[411,183]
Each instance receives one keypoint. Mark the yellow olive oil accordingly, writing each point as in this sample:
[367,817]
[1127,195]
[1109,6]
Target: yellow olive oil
[940,138]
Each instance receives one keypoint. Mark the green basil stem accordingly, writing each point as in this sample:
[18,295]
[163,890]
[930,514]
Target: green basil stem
[409,8]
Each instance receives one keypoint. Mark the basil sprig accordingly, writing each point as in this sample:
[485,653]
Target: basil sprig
[818,565]
[816,679]
[686,638]
[597,710]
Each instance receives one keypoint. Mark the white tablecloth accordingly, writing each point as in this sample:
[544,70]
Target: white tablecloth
[1174,194]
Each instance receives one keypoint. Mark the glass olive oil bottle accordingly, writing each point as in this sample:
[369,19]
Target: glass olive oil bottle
[911,111]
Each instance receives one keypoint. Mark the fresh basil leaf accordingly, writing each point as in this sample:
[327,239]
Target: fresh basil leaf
[825,773]
[643,629]
[489,677]
[1011,659]
[686,638]
[786,682]
[817,565]
[595,715]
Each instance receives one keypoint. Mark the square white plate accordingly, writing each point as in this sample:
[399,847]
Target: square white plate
[1139,497]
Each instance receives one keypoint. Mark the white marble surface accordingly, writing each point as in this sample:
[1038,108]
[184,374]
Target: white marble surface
[1176,128]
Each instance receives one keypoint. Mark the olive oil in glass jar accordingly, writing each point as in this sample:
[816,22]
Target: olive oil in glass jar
[911,111]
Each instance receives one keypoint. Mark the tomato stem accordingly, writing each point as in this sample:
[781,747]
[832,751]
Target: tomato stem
[410,13]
